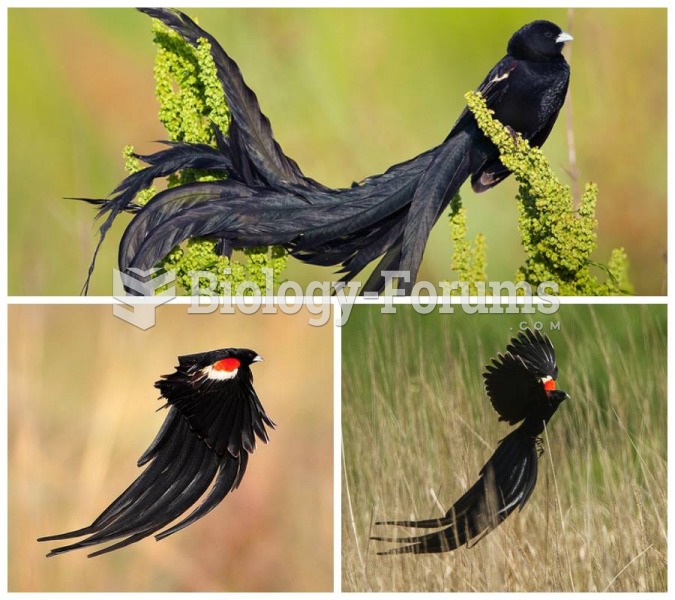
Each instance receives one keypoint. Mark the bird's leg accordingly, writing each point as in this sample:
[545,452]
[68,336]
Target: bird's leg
[513,133]
[540,446]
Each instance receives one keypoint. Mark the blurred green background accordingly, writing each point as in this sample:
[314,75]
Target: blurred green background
[349,92]
[416,425]
[82,409]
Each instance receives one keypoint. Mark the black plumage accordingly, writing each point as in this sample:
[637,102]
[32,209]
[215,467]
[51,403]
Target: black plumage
[210,430]
[521,387]
[267,200]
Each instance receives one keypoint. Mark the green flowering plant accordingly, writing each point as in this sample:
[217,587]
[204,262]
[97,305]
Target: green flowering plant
[191,101]
[557,237]
[468,256]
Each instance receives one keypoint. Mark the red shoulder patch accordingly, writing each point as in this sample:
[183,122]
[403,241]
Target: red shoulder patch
[549,385]
[226,364]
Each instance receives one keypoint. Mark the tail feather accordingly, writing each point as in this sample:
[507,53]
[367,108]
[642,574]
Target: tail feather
[228,479]
[440,182]
[255,138]
[268,200]
[177,157]
[354,224]
[357,250]
[506,483]
[390,261]
[354,209]
[181,468]
[209,220]
[167,205]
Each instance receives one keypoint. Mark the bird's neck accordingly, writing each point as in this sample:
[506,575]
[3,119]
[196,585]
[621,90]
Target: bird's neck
[534,424]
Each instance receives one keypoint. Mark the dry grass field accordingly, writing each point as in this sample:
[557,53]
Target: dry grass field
[82,410]
[417,427]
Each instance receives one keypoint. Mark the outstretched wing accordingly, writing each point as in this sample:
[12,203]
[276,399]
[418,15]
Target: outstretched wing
[514,381]
[513,390]
[506,482]
[537,353]
[225,415]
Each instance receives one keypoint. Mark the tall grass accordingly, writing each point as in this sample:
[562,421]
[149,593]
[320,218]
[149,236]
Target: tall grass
[417,427]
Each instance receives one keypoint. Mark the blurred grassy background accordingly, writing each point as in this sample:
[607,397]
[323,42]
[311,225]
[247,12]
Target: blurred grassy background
[349,92]
[417,426]
[82,410]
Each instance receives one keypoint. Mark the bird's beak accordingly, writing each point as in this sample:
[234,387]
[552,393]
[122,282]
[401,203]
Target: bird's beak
[563,37]
[257,358]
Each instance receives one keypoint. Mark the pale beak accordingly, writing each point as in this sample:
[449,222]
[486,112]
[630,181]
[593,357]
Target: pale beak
[257,358]
[563,37]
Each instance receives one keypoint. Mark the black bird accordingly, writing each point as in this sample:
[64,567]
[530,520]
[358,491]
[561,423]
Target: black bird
[521,386]
[267,200]
[210,430]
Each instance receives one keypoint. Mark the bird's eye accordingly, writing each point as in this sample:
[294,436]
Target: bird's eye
[548,34]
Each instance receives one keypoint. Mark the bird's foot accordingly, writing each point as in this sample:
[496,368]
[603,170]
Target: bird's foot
[513,133]
[540,446]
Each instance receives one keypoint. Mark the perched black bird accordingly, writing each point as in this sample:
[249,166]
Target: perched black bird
[214,418]
[521,387]
[267,200]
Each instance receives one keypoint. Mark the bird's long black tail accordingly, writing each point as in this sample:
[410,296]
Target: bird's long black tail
[180,468]
[250,152]
[441,181]
[177,157]
[267,200]
[253,142]
[351,227]
[506,482]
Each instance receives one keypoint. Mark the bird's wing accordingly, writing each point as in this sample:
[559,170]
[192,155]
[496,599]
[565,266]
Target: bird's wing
[496,83]
[515,381]
[494,88]
[506,482]
[537,352]
[226,415]
[512,388]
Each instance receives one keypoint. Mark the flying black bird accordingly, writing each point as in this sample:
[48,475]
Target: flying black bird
[210,430]
[267,200]
[521,385]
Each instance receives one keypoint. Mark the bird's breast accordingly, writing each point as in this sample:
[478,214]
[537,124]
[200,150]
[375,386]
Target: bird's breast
[534,96]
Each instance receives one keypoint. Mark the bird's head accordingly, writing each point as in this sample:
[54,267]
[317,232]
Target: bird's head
[539,40]
[554,396]
[225,364]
